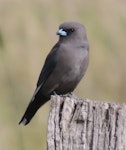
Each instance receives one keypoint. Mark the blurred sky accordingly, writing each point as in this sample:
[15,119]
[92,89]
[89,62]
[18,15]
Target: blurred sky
[28,32]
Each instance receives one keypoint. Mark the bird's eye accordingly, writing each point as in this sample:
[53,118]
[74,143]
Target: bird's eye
[72,29]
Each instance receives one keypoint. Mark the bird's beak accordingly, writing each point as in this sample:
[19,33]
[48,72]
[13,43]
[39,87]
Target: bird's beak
[61,32]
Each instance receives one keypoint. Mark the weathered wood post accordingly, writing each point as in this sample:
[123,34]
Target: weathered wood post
[82,124]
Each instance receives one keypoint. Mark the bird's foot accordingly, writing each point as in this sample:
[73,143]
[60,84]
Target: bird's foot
[54,93]
[71,95]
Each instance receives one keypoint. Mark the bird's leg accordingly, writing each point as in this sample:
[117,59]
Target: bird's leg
[54,93]
[72,95]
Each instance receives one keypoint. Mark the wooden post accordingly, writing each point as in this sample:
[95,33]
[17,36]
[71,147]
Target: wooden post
[82,124]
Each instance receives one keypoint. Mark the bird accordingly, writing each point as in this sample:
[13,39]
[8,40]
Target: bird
[64,67]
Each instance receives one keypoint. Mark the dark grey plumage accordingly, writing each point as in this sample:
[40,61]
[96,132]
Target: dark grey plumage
[64,67]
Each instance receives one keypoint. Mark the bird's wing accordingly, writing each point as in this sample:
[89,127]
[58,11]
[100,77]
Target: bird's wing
[48,68]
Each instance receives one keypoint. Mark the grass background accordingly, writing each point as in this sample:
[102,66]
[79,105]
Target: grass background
[27,33]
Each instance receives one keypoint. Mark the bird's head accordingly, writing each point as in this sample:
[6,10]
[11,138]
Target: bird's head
[71,30]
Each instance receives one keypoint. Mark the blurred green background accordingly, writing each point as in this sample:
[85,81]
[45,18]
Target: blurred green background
[27,33]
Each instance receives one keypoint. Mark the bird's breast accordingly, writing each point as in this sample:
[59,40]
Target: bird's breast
[73,62]
[71,65]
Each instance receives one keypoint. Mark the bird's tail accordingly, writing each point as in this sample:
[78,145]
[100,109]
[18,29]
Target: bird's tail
[32,108]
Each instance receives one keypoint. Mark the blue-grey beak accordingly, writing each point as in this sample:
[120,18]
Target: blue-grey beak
[61,32]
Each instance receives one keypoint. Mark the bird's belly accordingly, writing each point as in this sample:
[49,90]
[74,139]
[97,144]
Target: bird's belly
[65,88]
[69,81]
[66,76]
[62,81]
